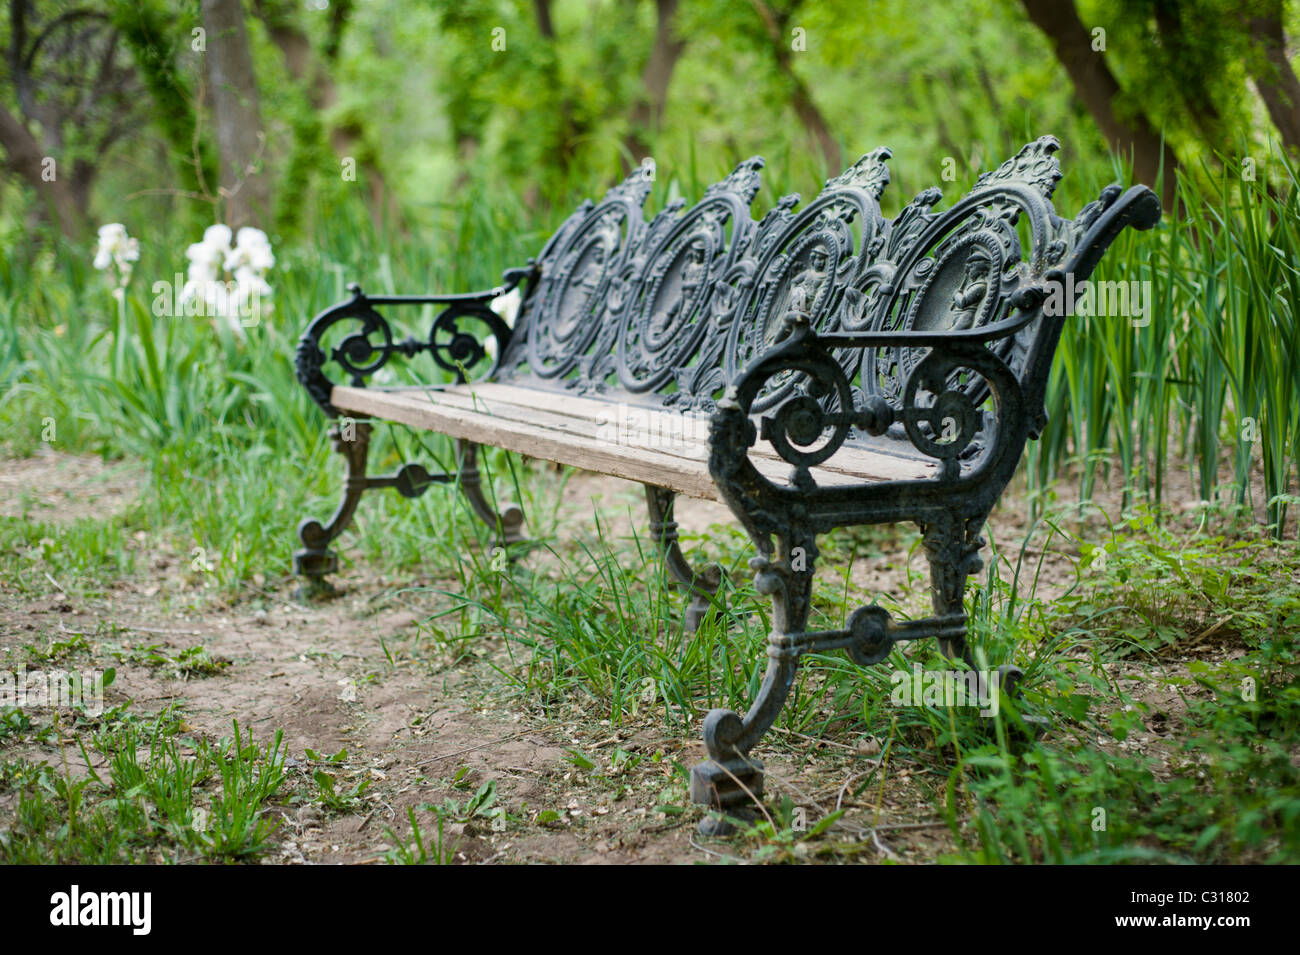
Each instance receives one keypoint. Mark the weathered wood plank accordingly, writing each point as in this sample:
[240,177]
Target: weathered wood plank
[584,433]
[633,464]
[582,415]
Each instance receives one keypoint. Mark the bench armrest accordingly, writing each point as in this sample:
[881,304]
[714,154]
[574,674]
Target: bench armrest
[369,346]
[797,427]
[1026,299]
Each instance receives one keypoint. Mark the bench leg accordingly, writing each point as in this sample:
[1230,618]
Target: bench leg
[663,531]
[952,547]
[509,523]
[315,561]
[731,780]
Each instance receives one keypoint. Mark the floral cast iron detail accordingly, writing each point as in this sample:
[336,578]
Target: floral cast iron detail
[369,343]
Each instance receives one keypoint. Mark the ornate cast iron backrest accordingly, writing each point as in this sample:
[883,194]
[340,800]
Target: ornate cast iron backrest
[668,312]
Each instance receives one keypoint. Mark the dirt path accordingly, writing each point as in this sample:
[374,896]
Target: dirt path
[422,722]
[354,674]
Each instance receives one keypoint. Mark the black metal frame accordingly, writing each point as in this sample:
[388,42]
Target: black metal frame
[925,336]
[452,349]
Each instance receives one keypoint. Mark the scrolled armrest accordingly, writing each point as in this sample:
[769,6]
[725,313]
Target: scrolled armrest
[948,426]
[371,344]
[797,427]
[805,434]
[1025,301]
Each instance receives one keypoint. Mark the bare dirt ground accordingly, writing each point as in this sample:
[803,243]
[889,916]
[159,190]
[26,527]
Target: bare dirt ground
[343,674]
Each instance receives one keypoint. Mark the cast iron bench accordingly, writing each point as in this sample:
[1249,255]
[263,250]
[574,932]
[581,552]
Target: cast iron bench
[816,369]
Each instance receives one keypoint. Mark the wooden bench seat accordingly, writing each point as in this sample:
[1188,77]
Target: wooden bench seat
[637,442]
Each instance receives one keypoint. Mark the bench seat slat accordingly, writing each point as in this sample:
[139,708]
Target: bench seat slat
[576,415]
[575,431]
[849,460]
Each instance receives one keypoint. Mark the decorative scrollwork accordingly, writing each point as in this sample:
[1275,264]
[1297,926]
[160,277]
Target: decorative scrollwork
[974,445]
[802,430]
[355,353]
[870,174]
[459,351]
[803,264]
[584,280]
[1035,164]
[669,306]
[812,423]
[367,348]
[944,427]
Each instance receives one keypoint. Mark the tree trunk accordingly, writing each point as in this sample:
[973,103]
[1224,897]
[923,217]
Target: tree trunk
[1097,87]
[240,140]
[346,139]
[172,108]
[1276,81]
[648,111]
[568,129]
[544,25]
[1194,88]
[805,107]
[27,159]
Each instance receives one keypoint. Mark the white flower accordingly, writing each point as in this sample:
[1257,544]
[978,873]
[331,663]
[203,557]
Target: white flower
[205,261]
[229,280]
[250,238]
[252,249]
[507,306]
[111,237]
[217,236]
[252,280]
[117,249]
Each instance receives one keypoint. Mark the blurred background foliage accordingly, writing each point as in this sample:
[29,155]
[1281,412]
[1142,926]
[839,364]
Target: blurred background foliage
[552,99]
[416,144]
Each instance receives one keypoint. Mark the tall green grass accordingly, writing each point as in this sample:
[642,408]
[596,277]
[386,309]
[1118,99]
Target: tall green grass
[1210,384]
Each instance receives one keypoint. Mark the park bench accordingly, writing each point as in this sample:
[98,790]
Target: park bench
[815,369]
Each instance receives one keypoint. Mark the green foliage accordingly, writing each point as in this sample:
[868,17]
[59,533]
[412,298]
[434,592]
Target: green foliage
[415,849]
[159,51]
[148,809]
[784,834]
[1184,64]
[77,554]
[1209,369]
[1153,590]
[1227,795]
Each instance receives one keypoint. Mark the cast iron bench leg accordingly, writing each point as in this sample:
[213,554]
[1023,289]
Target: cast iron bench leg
[663,531]
[316,561]
[509,523]
[952,547]
[731,780]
